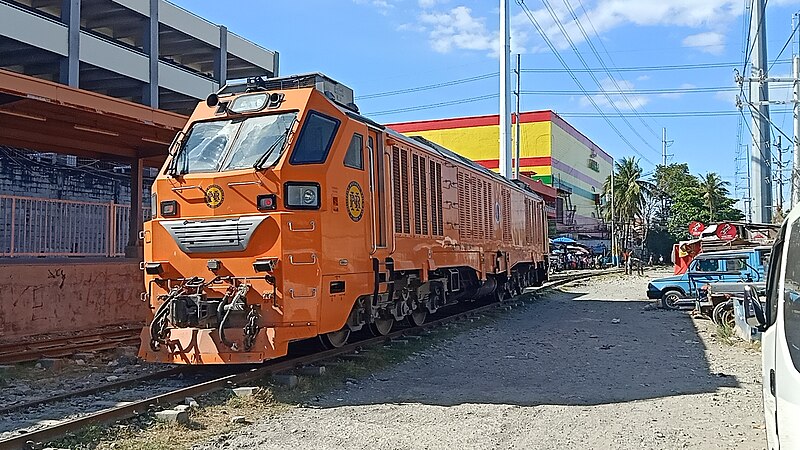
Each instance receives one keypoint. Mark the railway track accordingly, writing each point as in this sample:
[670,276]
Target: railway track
[127,409]
[57,348]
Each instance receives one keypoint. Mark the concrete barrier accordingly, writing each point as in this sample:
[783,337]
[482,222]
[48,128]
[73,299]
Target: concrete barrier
[66,296]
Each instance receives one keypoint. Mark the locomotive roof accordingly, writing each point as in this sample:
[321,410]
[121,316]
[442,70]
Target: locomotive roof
[444,152]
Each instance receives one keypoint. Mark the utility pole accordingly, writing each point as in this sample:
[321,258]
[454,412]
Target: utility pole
[761,154]
[795,173]
[518,136]
[505,90]
[664,145]
[779,166]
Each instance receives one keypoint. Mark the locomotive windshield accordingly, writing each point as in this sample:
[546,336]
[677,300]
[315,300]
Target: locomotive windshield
[233,144]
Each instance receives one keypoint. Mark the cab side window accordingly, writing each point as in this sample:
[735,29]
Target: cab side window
[355,153]
[735,265]
[316,138]
[708,265]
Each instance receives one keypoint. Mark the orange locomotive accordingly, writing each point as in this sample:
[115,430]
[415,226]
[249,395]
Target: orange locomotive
[282,214]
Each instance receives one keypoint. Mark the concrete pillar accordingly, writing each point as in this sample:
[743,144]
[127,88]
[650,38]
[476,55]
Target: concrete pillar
[150,94]
[70,66]
[276,59]
[221,58]
[136,223]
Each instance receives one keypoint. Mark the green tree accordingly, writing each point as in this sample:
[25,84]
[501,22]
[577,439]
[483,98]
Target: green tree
[714,191]
[667,181]
[631,193]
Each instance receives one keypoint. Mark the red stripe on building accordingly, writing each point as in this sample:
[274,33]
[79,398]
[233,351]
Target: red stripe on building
[526,162]
[466,122]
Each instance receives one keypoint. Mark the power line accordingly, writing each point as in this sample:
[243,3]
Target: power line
[602,62]
[788,41]
[575,50]
[433,105]
[687,90]
[658,68]
[428,87]
[550,45]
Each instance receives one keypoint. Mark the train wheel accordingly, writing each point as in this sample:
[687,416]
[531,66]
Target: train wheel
[381,327]
[335,339]
[417,317]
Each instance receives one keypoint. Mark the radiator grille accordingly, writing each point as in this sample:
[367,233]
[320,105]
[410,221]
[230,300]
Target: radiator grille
[424,191]
[506,215]
[215,235]
[436,199]
[404,188]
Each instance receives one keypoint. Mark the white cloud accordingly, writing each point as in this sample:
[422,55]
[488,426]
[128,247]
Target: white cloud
[709,42]
[605,15]
[458,28]
[383,6]
[643,78]
[427,4]
[613,96]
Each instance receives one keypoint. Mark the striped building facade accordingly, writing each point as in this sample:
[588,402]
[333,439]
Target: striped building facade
[552,151]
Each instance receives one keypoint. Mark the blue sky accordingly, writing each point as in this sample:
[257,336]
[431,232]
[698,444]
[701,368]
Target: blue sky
[377,46]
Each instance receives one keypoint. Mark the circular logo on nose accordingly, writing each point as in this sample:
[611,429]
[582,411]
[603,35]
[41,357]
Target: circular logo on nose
[214,196]
[355,201]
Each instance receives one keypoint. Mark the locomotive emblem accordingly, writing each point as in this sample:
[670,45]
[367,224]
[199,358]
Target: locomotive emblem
[214,196]
[355,201]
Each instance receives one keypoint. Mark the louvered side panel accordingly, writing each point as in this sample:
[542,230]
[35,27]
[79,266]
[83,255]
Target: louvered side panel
[404,188]
[436,189]
[417,197]
[439,217]
[397,195]
[490,211]
[487,209]
[506,215]
[423,181]
[462,201]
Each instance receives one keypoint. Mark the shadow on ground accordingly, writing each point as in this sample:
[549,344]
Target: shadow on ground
[561,350]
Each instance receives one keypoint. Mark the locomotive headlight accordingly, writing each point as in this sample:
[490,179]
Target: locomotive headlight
[169,208]
[302,195]
[309,196]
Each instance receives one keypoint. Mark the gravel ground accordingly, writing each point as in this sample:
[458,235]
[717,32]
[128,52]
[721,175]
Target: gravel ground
[590,366]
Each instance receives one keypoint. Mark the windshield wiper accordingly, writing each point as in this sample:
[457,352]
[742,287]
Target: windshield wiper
[282,139]
[177,143]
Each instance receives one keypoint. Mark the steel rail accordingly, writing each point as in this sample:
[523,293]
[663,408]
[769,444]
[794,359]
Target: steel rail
[29,351]
[280,365]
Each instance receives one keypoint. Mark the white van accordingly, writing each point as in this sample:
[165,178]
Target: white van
[779,322]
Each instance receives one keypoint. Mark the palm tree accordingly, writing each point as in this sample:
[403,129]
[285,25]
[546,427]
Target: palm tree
[714,191]
[631,192]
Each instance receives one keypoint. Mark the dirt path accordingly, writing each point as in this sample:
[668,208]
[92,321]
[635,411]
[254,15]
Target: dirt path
[559,373]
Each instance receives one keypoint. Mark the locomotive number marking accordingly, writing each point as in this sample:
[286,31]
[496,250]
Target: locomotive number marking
[355,201]
[214,196]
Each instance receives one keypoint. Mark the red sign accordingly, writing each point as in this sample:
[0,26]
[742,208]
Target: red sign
[726,232]
[696,228]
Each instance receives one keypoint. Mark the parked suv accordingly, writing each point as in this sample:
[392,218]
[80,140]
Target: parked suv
[745,265]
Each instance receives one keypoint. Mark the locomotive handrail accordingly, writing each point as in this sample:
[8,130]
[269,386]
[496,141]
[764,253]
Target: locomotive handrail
[391,182]
[183,188]
[244,183]
[313,294]
[303,230]
[373,203]
[313,261]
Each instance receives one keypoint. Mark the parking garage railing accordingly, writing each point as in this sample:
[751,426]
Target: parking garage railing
[40,227]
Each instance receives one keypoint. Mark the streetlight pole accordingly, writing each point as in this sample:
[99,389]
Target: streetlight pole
[614,252]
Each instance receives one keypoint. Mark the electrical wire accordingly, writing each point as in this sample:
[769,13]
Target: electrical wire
[428,87]
[575,50]
[788,41]
[688,90]
[603,64]
[550,45]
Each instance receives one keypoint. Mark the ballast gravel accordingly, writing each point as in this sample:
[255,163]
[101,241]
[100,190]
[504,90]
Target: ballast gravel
[592,366]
